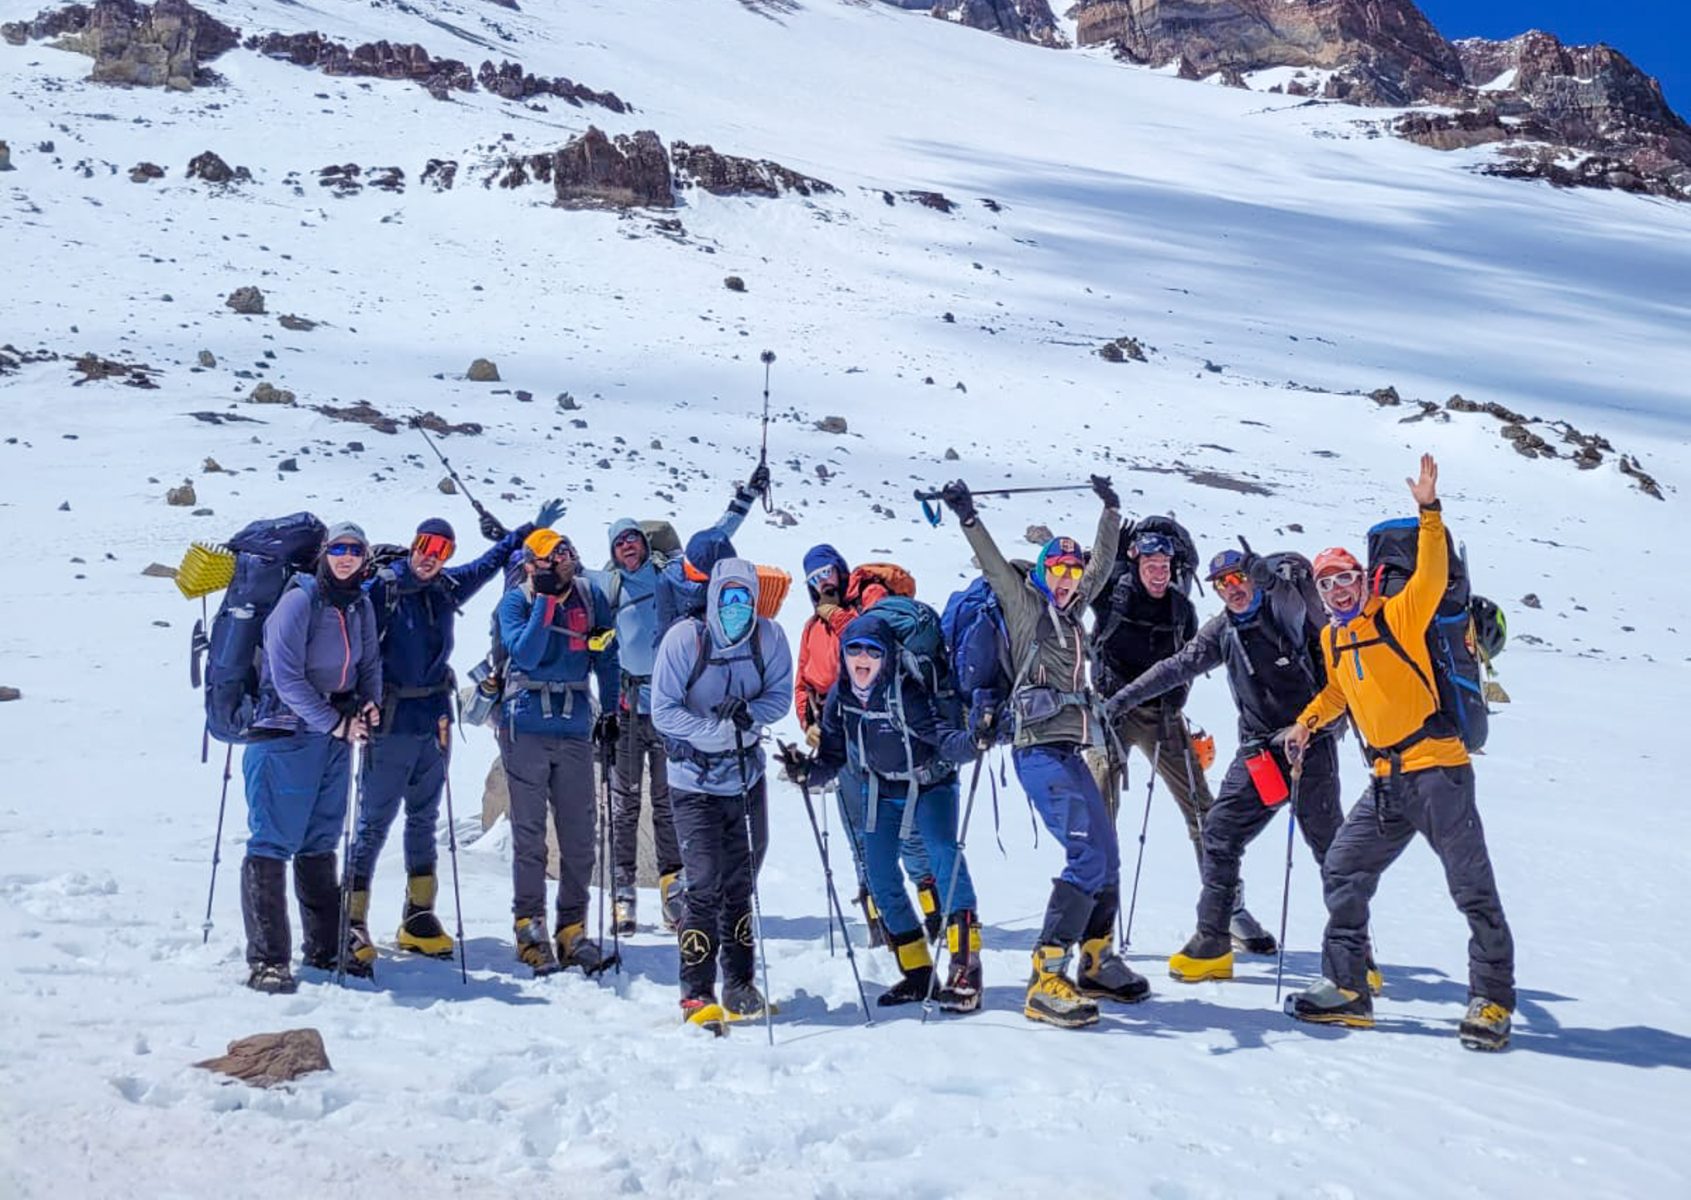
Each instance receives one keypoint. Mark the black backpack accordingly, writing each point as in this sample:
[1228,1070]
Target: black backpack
[1451,643]
[267,555]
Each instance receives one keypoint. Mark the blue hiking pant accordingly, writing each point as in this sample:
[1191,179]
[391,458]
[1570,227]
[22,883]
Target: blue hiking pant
[936,824]
[1066,797]
[851,790]
[296,794]
[399,767]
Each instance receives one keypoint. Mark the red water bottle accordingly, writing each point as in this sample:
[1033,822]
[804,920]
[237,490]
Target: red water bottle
[1265,772]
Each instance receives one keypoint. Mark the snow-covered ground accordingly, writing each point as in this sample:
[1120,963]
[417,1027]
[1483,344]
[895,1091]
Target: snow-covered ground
[1272,240]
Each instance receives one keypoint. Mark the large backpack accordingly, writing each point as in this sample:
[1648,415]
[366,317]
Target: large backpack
[979,649]
[1450,634]
[895,579]
[921,646]
[267,555]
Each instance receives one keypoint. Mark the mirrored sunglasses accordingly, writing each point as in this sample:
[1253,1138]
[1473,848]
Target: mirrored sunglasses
[872,650]
[1064,570]
[1338,579]
[342,549]
[433,545]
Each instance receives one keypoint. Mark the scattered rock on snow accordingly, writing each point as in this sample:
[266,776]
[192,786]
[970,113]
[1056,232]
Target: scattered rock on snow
[1531,600]
[1038,535]
[10,693]
[1385,397]
[1121,350]
[145,172]
[6,158]
[288,464]
[268,393]
[734,283]
[266,1059]
[297,324]
[447,487]
[248,301]
[158,571]
[832,425]
[212,169]
[482,371]
[567,402]
[435,423]
[729,175]
[208,360]
[182,497]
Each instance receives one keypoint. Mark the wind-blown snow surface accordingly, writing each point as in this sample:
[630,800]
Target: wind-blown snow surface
[1270,238]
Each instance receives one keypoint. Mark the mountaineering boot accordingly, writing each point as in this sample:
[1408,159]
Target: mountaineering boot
[419,930]
[669,894]
[962,990]
[624,908]
[360,948]
[1249,937]
[871,917]
[741,1001]
[927,899]
[1051,997]
[1326,1003]
[916,966]
[264,910]
[704,1012]
[1486,1027]
[317,890]
[273,979]
[1376,981]
[576,949]
[1203,957]
[1105,975]
[534,948]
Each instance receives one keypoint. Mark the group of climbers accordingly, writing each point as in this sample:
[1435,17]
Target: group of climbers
[660,670]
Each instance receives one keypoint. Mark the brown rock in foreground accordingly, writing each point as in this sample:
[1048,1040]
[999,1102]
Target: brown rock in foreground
[266,1059]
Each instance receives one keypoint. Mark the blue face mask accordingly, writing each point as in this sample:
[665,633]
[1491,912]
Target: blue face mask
[734,609]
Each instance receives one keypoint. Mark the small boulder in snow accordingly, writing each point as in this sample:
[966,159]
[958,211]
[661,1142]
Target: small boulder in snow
[182,497]
[266,392]
[158,571]
[6,158]
[212,169]
[266,1059]
[208,360]
[447,487]
[10,693]
[248,301]
[482,371]
[145,172]
[734,283]
[832,425]
[1038,535]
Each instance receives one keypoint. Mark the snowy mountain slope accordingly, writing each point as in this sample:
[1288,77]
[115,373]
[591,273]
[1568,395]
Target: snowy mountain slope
[1211,224]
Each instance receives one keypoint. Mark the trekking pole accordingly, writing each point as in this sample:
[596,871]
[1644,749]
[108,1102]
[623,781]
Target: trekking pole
[1144,828]
[951,887]
[354,794]
[835,910]
[217,846]
[417,424]
[928,496]
[1286,887]
[452,848]
[768,357]
[751,850]
[828,874]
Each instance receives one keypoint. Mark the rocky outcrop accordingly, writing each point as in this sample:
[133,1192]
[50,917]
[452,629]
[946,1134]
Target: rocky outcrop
[730,175]
[596,171]
[509,80]
[1023,20]
[165,44]
[1386,51]
[374,60]
[213,169]
[1452,131]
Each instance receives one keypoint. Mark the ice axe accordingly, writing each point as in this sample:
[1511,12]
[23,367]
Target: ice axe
[933,514]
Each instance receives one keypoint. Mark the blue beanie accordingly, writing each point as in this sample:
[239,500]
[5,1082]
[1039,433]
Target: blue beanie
[439,526]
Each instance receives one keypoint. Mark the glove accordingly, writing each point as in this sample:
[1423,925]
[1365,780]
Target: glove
[1106,493]
[826,610]
[1116,707]
[547,583]
[758,484]
[606,729]
[957,498]
[734,710]
[813,736]
[491,529]
[549,512]
[795,767]
[983,720]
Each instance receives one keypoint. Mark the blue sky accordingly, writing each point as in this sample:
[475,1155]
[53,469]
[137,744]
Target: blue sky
[1655,34]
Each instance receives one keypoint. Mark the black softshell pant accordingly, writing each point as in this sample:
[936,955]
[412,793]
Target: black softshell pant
[721,866]
[1437,803]
[640,752]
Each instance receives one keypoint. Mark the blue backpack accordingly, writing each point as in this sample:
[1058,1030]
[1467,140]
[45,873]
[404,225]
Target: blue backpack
[979,641]
[1451,642]
[267,555]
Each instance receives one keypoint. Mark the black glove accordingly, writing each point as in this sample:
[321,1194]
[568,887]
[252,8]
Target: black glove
[734,709]
[605,730]
[795,767]
[957,498]
[983,719]
[1255,566]
[491,529]
[1106,493]
[548,583]
[758,484]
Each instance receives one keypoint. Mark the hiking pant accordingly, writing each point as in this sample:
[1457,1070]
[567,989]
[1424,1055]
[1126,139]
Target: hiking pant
[640,751]
[1239,815]
[408,768]
[1168,745]
[296,794]
[852,790]
[716,918]
[1437,803]
[1066,797]
[549,773]
[936,822]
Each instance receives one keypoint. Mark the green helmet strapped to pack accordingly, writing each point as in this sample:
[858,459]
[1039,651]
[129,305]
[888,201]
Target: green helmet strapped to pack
[1454,643]
[1491,628]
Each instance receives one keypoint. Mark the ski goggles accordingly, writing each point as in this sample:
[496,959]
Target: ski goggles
[342,549]
[734,594]
[1067,569]
[1338,579]
[433,545]
[1153,543]
[823,577]
[871,650]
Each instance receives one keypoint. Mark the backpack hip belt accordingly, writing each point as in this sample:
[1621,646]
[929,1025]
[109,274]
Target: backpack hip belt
[555,687]
[392,696]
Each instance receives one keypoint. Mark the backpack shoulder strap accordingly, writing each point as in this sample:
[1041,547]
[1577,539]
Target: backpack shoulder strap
[1396,647]
[702,659]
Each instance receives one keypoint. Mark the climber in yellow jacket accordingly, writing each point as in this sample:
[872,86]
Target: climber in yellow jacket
[1379,671]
